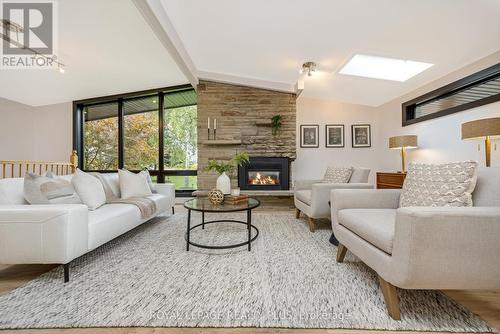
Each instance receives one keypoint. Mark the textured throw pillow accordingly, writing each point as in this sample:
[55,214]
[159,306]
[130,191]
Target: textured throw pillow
[49,189]
[89,189]
[133,185]
[449,184]
[337,175]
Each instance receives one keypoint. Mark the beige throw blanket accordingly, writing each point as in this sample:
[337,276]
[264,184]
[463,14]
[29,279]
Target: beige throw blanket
[146,206]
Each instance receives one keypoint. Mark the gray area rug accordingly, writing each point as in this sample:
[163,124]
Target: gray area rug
[289,279]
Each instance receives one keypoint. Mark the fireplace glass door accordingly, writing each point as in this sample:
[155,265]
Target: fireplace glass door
[263,178]
[264,173]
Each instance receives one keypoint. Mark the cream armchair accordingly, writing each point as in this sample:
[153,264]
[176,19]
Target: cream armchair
[422,247]
[312,197]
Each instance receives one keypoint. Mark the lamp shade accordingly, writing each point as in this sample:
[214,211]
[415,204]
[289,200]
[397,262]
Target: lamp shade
[481,128]
[409,141]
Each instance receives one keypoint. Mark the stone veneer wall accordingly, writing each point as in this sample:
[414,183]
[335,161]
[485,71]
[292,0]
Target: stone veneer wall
[238,109]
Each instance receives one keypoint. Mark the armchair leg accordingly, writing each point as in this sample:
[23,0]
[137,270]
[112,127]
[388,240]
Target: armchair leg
[391,298]
[341,252]
[66,272]
[312,225]
[297,213]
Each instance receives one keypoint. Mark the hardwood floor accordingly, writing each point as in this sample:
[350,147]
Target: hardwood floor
[484,303]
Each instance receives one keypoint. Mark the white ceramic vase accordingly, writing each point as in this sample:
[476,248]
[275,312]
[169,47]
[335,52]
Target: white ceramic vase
[224,183]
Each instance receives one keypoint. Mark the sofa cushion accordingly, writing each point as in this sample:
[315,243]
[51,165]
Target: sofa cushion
[89,189]
[304,196]
[359,175]
[133,185]
[375,226]
[110,221]
[162,202]
[337,174]
[449,184]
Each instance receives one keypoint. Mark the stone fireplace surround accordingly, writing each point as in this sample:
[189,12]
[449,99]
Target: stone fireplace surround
[243,124]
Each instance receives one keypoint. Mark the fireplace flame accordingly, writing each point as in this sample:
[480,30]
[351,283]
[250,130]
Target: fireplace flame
[263,180]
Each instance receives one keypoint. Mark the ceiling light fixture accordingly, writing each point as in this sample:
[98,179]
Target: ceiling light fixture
[308,67]
[383,68]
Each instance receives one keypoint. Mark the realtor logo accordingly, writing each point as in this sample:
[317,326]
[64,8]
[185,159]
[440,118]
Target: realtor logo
[27,31]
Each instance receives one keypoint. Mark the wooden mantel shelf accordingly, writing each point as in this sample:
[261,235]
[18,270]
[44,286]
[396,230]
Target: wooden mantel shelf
[222,142]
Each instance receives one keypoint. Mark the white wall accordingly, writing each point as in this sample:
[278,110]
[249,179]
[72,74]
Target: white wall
[16,130]
[311,163]
[439,139]
[35,133]
[53,132]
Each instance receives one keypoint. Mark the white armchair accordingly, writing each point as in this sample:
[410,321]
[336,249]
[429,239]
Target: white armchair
[422,247]
[312,197]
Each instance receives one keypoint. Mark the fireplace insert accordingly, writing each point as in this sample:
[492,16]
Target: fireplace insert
[264,173]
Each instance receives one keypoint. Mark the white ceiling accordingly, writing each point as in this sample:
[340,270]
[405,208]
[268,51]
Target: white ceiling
[108,49]
[268,40]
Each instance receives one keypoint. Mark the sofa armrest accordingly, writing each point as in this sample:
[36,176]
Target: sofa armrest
[56,233]
[447,248]
[304,184]
[166,189]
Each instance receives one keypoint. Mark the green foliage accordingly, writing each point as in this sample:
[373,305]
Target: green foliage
[228,167]
[276,124]
[142,141]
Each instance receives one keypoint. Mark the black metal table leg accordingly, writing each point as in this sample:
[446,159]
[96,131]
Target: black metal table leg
[249,224]
[203,220]
[188,230]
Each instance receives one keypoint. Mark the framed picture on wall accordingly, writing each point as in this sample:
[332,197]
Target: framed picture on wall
[309,136]
[361,135]
[334,134]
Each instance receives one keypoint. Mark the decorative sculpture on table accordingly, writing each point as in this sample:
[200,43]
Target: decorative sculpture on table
[215,196]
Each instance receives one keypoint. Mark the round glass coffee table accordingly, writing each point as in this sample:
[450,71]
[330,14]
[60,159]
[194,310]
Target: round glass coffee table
[204,205]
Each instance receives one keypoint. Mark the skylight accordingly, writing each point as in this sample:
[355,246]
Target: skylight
[383,68]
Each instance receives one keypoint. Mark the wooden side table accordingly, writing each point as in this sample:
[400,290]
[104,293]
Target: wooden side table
[390,180]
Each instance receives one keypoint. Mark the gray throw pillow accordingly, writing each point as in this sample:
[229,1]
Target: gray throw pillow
[49,189]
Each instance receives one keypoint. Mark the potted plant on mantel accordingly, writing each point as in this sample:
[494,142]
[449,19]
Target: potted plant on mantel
[226,167]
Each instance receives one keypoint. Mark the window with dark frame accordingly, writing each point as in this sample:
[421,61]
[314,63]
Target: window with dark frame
[153,129]
[472,91]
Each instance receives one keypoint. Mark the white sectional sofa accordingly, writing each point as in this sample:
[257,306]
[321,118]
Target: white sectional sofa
[59,233]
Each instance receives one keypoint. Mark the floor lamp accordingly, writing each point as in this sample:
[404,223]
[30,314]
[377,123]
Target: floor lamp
[403,143]
[484,129]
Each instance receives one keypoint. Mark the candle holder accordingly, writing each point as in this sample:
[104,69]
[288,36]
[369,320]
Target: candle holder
[215,133]
[208,134]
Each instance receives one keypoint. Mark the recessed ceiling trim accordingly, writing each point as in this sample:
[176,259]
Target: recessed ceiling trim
[244,81]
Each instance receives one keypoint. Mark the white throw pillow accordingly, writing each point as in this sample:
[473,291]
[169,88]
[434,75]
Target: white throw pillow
[89,189]
[147,176]
[449,184]
[337,175]
[133,185]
